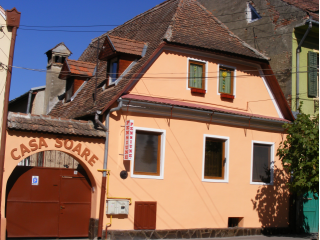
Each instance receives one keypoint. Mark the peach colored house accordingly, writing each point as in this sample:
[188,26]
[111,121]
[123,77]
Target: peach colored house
[192,119]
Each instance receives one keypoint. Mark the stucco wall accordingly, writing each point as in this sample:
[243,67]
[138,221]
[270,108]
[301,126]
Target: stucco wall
[168,78]
[5,40]
[183,199]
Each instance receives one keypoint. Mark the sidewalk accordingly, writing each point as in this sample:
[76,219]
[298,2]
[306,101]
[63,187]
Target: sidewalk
[261,237]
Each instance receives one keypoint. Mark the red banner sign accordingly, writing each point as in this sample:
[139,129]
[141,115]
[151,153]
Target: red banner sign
[128,140]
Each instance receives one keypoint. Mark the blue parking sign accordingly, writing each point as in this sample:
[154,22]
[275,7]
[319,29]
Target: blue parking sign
[35,180]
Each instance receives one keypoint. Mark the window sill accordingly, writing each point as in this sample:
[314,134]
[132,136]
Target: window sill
[198,90]
[215,180]
[261,183]
[224,95]
[147,176]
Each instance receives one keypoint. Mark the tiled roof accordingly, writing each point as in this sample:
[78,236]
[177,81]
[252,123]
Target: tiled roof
[196,106]
[184,22]
[43,123]
[125,45]
[62,43]
[310,6]
[83,69]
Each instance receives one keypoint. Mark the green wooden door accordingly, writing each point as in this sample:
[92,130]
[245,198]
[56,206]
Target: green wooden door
[311,213]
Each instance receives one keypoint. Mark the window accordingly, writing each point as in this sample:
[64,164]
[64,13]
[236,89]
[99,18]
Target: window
[196,75]
[226,80]
[313,74]
[148,153]
[69,89]
[252,14]
[215,159]
[113,70]
[262,163]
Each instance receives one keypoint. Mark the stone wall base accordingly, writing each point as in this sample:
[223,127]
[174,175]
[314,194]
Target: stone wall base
[191,233]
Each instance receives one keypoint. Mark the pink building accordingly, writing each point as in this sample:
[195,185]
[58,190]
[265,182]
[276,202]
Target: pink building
[195,122]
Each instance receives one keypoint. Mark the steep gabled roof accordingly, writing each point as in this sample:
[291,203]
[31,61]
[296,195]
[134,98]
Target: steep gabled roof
[183,22]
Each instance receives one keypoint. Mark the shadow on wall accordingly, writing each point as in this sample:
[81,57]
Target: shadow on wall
[273,204]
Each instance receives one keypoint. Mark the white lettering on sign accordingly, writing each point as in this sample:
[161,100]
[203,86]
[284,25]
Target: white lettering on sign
[35,180]
[128,140]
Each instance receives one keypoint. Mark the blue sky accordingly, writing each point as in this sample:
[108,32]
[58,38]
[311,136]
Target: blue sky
[31,45]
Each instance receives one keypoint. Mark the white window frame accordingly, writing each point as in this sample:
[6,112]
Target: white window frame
[271,162]
[234,78]
[205,71]
[226,152]
[162,152]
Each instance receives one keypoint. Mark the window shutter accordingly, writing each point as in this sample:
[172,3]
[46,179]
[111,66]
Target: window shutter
[312,74]
[145,215]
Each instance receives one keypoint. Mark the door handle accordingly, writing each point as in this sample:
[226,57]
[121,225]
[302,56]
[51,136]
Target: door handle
[62,207]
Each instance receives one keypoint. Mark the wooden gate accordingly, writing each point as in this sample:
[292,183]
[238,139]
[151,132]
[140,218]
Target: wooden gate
[48,202]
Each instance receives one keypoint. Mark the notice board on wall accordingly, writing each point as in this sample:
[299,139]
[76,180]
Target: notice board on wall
[128,140]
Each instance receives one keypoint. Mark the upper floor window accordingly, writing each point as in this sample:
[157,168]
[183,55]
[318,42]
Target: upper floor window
[196,76]
[252,14]
[313,74]
[226,80]
[113,70]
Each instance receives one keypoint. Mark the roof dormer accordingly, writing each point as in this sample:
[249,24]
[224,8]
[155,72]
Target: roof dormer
[121,54]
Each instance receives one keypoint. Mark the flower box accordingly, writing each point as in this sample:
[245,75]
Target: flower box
[198,90]
[223,95]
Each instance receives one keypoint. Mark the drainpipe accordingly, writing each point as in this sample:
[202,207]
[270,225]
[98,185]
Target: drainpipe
[29,101]
[298,62]
[105,162]
[13,20]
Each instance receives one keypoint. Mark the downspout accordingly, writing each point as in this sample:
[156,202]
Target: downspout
[29,101]
[105,161]
[13,20]
[298,63]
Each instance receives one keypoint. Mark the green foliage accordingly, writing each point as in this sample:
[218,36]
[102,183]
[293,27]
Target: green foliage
[299,153]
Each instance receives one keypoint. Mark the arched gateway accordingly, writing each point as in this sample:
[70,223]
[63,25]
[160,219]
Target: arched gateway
[50,179]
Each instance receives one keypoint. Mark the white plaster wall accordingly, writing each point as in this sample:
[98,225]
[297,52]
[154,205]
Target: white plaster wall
[38,103]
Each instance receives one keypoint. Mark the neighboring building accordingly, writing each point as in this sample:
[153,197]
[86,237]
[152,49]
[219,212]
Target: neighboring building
[275,27]
[193,118]
[5,42]
[55,86]
[29,102]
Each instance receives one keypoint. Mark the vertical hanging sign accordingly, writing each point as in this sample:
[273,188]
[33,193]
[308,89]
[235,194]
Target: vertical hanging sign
[128,140]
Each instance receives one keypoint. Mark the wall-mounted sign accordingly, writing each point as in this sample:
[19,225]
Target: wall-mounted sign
[128,140]
[34,144]
[35,180]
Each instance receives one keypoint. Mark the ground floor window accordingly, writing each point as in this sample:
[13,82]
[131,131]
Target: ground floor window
[148,153]
[215,159]
[262,163]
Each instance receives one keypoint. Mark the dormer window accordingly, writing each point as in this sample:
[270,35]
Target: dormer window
[59,59]
[113,70]
[252,14]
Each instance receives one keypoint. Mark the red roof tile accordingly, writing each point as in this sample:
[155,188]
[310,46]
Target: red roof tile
[73,67]
[184,22]
[43,123]
[126,45]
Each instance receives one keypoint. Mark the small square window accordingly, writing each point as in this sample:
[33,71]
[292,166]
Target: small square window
[215,159]
[262,163]
[226,80]
[196,77]
[148,153]
[252,14]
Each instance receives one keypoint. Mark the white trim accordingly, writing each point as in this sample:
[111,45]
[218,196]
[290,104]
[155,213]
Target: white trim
[162,152]
[226,150]
[205,74]
[234,78]
[271,162]
[271,94]
[3,13]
